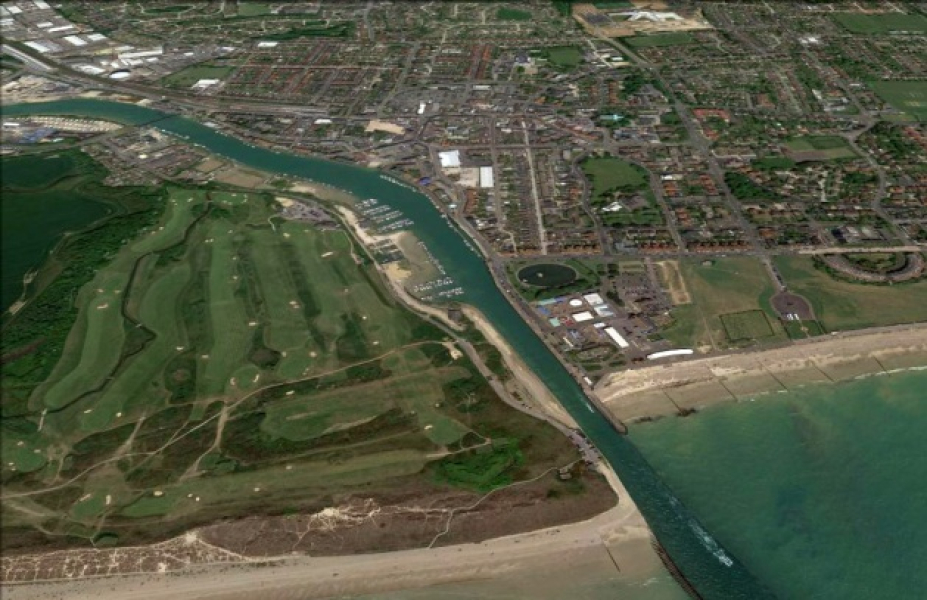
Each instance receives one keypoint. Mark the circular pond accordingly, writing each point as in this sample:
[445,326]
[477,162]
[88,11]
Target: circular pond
[547,275]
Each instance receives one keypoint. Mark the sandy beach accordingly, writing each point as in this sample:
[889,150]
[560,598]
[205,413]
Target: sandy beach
[672,388]
[620,535]
[534,392]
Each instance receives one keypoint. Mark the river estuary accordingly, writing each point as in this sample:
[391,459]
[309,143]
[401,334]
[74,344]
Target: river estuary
[711,569]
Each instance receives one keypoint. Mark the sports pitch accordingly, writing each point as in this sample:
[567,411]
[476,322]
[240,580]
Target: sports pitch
[883,23]
[728,305]
[823,147]
[907,96]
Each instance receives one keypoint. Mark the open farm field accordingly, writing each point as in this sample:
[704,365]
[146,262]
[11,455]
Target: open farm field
[882,23]
[909,97]
[223,363]
[840,305]
[728,306]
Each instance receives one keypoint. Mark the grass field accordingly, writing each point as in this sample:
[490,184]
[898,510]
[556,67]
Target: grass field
[220,366]
[773,163]
[565,57]
[661,39]
[800,330]
[828,147]
[841,305]
[909,97]
[253,9]
[167,10]
[882,23]
[729,305]
[746,325]
[512,14]
[609,174]
[187,77]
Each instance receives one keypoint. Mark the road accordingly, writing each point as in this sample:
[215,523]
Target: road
[27,59]
[535,196]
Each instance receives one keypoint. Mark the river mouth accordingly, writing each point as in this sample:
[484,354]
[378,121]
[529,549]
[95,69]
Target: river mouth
[674,526]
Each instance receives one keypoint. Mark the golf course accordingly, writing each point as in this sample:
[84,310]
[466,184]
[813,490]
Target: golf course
[208,359]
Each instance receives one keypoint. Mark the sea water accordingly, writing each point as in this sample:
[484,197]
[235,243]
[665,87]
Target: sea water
[821,493]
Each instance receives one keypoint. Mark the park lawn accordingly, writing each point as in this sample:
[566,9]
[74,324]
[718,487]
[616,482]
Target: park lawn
[311,29]
[799,330]
[660,40]
[909,97]
[512,14]
[882,23]
[720,290]
[828,146]
[609,173]
[773,163]
[566,57]
[167,10]
[189,76]
[637,267]
[746,325]
[841,305]
[253,9]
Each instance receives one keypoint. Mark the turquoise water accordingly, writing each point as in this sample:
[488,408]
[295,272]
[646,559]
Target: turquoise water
[712,570]
[821,493]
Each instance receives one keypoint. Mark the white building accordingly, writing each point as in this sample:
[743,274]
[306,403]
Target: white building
[486,177]
[617,337]
[450,159]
